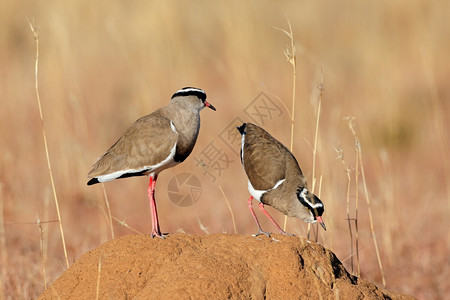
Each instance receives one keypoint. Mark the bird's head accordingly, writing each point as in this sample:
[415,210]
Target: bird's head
[191,97]
[313,204]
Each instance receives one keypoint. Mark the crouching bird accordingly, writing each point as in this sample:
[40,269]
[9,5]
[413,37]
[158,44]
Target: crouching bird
[275,178]
[154,143]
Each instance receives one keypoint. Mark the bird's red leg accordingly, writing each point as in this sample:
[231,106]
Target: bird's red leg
[256,219]
[154,206]
[261,207]
[151,198]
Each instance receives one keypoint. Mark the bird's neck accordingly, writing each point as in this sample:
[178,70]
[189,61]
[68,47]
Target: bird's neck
[186,121]
[187,124]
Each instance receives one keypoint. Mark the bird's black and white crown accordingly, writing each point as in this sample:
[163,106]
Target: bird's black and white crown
[190,91]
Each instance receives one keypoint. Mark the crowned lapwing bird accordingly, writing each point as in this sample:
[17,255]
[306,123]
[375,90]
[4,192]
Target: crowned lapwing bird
[275,178]
[154,143]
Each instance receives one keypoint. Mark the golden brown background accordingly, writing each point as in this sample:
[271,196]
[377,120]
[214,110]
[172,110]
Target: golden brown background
[103,64]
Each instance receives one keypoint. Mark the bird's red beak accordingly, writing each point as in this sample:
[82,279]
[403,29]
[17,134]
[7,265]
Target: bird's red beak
[319,219]
[207,104]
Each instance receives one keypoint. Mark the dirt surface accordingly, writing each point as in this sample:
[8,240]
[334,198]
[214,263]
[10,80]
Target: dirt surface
[218,266]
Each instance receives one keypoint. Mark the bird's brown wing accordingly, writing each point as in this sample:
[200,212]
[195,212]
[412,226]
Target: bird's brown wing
[264,158]
[145,143]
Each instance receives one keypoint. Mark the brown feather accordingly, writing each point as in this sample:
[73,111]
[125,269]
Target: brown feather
[145,143]
[266,160]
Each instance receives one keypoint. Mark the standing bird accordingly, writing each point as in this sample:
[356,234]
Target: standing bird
[154,143]
[275,178]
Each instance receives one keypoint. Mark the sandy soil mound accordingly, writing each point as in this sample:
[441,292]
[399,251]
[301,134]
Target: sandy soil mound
[218,266]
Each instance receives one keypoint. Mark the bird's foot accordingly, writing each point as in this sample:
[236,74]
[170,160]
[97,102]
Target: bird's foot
[262,232]
[286,233]
[158,234]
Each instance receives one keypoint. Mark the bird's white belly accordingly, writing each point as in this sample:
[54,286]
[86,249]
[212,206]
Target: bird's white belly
[257,194]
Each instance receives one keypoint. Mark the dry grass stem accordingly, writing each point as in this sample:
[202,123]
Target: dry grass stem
[43,250]
[359,163]
[314,150]
[124,224]
[202,227]
[110,222]
[370,216]
[103,229]
[45,226]
[36,73]
[229,207]
[358,266]
[351,126]
[316,135]
[349,219]
[320,196]
[97,291]
[292,59]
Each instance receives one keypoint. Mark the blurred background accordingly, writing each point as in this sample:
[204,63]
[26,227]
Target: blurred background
[103,64]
